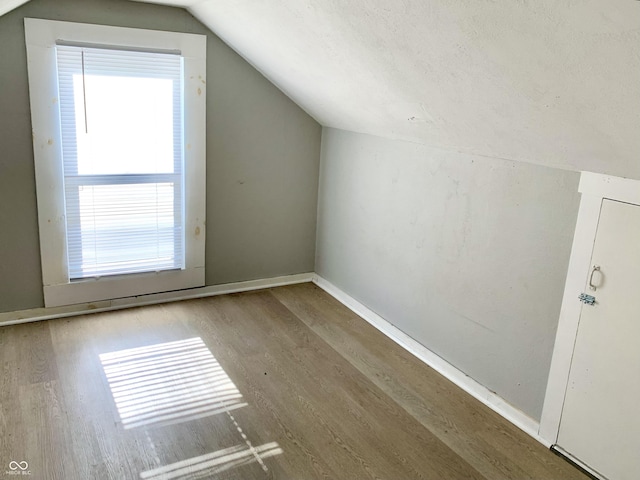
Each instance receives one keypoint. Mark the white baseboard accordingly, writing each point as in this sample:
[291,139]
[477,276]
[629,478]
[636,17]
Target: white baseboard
[36,314]
[468,384]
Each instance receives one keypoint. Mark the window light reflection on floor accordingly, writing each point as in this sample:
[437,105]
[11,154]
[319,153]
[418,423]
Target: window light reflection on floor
[205,466]
[168,383]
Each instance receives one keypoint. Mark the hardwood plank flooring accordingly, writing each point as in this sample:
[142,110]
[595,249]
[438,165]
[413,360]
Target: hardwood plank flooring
[280,383]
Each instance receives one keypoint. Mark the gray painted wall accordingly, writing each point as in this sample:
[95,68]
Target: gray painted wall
[468,255]
[262,157]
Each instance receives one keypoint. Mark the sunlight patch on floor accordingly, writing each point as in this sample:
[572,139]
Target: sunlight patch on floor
[168,383]
[214,463]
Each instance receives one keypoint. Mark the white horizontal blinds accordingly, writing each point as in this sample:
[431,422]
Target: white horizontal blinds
[121,119]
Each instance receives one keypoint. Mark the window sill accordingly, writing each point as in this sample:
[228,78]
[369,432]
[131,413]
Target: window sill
[108,288]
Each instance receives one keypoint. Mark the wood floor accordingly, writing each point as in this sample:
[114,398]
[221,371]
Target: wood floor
[280,383]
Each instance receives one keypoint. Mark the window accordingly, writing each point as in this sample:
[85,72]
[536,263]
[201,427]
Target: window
[121,121]
[118,121]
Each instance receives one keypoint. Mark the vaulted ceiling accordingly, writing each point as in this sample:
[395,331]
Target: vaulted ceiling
[554,82]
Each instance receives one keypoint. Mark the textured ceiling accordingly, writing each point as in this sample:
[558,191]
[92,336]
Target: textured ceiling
[554,82]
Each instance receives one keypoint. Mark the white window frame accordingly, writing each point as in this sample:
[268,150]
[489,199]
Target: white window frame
[41,37]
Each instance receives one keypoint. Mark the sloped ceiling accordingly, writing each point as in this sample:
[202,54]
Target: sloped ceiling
[554,82]
[8,5]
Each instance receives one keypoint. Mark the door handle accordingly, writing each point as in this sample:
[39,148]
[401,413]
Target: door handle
[594,269]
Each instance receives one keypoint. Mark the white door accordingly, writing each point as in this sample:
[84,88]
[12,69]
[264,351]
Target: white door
[600,422]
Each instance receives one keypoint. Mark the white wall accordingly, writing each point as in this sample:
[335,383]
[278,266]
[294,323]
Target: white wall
[468,255]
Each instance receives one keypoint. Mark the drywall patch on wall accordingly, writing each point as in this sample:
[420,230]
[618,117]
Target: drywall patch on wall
[465,254]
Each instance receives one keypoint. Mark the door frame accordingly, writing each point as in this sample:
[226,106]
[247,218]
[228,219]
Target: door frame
[594,188]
